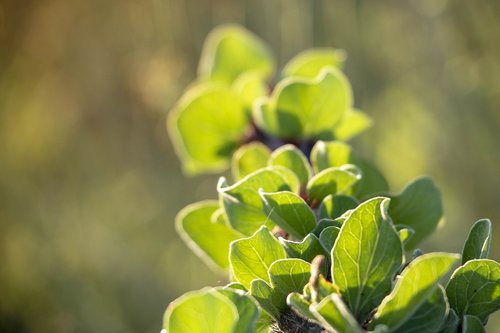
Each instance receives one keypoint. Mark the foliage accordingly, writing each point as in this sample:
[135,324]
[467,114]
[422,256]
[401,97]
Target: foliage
[310,235]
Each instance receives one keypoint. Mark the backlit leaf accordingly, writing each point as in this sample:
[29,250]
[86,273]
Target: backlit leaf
[477,245]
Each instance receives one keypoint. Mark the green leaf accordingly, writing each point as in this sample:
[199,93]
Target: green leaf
[289,176]
[335,315]
[418,281]
[309,63]
[472,324]
[242,203]
[325,223]
[336,180]
[419,207]
[451,323]
[269,299]
[290,212]
[206,127]
[405,233]
[205,310]
[235,285]
[366,256]
[264,323]
[328,237]
[302,108]
[249,158]
[335,154]
[301,306]
[306,249]
[477,245]
[292,158]
[248,311]
[230,51]
[249,86]
[194,223]
[251,257]
[334,206]
[289,275]
[474,288]
[352,124]
[429,317]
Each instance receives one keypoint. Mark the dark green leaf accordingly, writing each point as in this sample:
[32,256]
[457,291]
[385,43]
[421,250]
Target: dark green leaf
[477,245]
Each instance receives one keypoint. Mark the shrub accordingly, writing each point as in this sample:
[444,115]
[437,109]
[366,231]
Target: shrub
[310,236]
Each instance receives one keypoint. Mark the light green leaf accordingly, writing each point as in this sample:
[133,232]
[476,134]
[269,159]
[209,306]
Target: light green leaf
[290,212]
[472,324]
[306,249]
[405,233]
[206,311]
[249,86]
[249,158]
[335,154]
[206,127]
[302,108]
[335,316]
[264,323]
[334,206]
[301,306]
[477,245]
[366,256]
[418,281]
[336,180]
[194,223]
[235,285]
[451,323]
[231,50]
[269,299]
[251,257]
[474,289]
[289,176]
[353,123]
[292,158]
[242,203]
[248,311]
[429,317]
[309,63]
[419,207]
[328,237]
[289,275]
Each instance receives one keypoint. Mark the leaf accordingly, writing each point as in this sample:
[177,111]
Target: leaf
[204,310]
[269,299]
[328,237]
[194,223]
[249,86]
[289,176]
[242,203]
[472,324]
[325,223]
[477,245]
[301,306]
[251,257]
[332,181]
[429,317]
[249,158]
[289,275]
[306,249]
[451,323]
[302,108]
[335,315]
[248,311]
[206,127]
[292,158]
[289,211]
[366,256]
[474,289]
[419,207]
[334,206]
[352,124]
[230,50]
[418,281]
[309,63]
[235,285]
[335,154]
[405,233]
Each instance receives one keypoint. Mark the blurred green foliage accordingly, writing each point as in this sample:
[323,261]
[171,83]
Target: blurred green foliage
[89,184]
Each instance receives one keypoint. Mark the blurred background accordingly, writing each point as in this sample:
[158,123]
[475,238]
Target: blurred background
[89,184]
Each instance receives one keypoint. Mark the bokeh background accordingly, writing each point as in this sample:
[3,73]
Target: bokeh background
[89,184]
